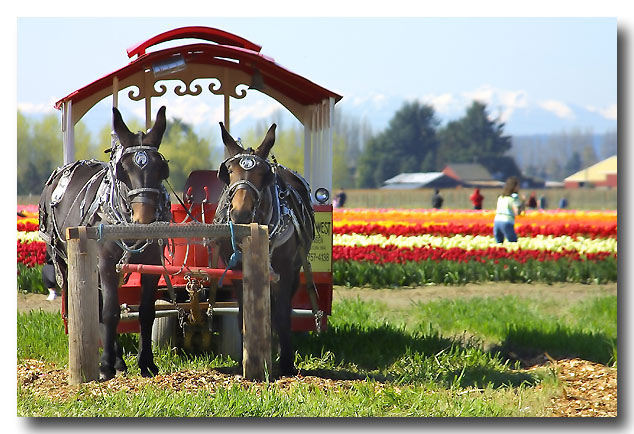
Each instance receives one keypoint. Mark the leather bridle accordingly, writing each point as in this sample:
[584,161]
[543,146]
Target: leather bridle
[247,161]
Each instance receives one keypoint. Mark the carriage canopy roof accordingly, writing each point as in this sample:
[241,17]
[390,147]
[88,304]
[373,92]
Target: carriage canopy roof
[222,51]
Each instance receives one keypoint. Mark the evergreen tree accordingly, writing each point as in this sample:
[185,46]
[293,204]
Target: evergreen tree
[408,142]
[476,139]
[186,152]
[573,165]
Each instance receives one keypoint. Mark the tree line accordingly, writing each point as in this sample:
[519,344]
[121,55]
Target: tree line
[40,150]
[413,141]
[557,156]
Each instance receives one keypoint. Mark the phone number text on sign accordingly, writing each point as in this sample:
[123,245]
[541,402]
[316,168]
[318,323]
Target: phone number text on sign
[320,255]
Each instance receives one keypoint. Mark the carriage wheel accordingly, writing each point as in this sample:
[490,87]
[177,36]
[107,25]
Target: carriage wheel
[166,331]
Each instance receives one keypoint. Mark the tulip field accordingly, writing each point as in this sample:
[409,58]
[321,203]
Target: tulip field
[398,247]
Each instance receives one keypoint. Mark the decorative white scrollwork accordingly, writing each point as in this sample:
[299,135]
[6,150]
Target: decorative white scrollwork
[183,86]
[189,89]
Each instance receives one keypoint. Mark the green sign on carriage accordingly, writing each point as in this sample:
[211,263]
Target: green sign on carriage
[320,255]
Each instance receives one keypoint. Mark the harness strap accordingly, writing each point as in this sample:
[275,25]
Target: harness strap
[168,282]
[181,202]
[236,256]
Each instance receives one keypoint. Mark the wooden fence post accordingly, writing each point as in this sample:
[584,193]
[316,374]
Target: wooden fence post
[83,308]
[256,304]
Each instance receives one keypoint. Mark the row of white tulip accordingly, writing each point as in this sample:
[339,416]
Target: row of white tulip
[476,242]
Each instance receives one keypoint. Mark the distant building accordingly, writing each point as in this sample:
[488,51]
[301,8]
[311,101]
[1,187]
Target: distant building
[554,184]
[406,181]
[601,174]
[532,182]
[472,175]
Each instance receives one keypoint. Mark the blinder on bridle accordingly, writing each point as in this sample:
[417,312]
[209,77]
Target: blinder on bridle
[248,161]
[140,159]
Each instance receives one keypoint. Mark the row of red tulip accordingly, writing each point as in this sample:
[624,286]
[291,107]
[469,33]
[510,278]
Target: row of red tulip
[526,230]
[395,254]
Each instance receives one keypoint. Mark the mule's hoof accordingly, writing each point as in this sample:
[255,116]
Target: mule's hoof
[120,367]
[149,371]
[288,371]
[105,376]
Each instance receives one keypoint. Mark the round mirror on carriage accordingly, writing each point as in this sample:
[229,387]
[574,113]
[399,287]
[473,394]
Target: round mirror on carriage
[322,195]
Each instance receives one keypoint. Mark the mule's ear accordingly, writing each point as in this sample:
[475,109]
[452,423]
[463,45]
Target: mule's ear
[268,142]
[155,135]
[120,128]
[233,146]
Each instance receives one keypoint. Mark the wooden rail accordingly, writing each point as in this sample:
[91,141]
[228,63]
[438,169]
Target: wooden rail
[83,303]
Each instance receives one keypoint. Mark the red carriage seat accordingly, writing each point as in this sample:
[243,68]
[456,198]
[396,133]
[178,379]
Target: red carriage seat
[203,184]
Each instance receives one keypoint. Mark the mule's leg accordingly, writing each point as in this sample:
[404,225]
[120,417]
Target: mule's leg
[146,320]
[149,283]
[281,293]
[110,314]
[119,364]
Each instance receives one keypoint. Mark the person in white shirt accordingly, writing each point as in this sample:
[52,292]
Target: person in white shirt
[509,205]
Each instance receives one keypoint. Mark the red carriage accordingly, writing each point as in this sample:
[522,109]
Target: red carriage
[236,67]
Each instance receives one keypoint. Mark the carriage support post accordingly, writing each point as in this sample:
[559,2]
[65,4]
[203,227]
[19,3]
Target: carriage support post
[83,307]
[256,304]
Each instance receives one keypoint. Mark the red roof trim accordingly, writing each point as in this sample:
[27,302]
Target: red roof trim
[293,85]
[196,32]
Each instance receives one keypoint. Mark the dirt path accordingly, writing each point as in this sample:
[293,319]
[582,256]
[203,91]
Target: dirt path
[398,298]
[27,302]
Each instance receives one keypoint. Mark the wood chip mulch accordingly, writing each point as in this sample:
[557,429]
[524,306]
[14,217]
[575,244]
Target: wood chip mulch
[588,389]
[45,379]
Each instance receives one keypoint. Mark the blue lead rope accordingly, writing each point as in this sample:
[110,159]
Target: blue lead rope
[236,256]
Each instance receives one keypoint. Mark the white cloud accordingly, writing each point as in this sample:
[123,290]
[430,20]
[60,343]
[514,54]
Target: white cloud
[483,94]
[376,99]
[36,109]
[501,102]
[445,103]
[258,110]
[559,108]
[608,112]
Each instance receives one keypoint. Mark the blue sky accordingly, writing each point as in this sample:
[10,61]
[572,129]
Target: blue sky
[536,74]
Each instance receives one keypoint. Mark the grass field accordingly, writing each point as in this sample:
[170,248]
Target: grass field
[443,357]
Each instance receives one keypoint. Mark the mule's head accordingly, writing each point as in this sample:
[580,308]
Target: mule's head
[140,166]
[248,174]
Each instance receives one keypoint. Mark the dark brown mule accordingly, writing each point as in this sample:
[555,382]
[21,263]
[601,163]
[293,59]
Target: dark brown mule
[126,190]
[269,194]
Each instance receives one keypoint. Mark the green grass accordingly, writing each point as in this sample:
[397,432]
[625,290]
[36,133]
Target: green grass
[526,325]
[40,335]
[30,279]
[363,400]
[436,359]
[448,272]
